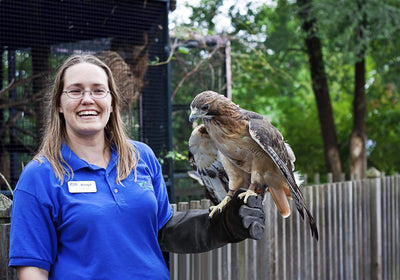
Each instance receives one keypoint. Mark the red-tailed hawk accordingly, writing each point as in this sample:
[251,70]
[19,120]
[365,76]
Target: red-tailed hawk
[253,153]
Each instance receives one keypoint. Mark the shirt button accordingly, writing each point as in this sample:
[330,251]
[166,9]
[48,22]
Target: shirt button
[116,190]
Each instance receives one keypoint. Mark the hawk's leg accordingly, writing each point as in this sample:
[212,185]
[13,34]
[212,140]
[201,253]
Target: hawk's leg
[248,193]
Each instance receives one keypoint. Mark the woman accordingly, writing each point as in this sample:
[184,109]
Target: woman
[93,204]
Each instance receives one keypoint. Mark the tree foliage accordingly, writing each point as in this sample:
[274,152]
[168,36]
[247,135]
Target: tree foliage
[271,74]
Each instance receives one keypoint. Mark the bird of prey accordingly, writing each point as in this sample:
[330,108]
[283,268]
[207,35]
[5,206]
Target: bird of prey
[252,151]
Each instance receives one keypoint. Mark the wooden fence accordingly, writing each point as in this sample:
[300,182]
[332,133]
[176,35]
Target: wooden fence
[359,231]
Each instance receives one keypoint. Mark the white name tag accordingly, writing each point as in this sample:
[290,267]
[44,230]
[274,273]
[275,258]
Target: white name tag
[82,186]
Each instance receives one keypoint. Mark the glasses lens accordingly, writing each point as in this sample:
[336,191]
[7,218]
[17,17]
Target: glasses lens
[99,93]
[74,93]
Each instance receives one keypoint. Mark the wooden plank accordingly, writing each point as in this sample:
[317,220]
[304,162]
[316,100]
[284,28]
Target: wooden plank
[284,252]
[366,240]
[311,202]
[253,275]
[396,199]
[335,235]
[236,261]
[226,262]
[376,228]
[173,266]
[393,234]
[357,230]
[195,259]
[322,232]
[263,249]
[384,217]
[183,259]
[217,262]
[5,214]
[206,259]
[330,260]
[348,243]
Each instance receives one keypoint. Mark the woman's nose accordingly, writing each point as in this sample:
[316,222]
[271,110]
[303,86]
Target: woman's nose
[87,96]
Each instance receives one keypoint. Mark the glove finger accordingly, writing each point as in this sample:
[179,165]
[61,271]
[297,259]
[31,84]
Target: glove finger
[248,211]
[255,201]
[256,230]
[248,220]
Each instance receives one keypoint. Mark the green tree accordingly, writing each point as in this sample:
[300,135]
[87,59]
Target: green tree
[271,74]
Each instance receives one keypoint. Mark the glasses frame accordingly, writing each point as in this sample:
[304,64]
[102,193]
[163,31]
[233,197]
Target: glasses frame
[83,92]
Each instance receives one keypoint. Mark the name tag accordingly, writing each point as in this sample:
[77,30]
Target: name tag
[82,186]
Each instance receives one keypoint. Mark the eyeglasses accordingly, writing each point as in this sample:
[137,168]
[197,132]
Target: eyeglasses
[77,93]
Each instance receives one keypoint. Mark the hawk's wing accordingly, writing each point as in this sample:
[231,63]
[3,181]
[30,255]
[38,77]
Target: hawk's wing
[204,158]
[272,142]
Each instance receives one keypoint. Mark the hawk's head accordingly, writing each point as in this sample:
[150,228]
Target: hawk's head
[206,104]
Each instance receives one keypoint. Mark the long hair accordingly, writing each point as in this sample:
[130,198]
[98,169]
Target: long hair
[55,132]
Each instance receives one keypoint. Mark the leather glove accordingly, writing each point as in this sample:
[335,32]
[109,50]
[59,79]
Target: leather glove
[238,221]
[193,231]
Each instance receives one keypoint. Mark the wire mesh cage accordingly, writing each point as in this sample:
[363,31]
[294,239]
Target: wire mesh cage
[35,38]
[200,63]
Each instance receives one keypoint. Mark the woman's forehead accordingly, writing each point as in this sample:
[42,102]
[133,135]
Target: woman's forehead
[85,74]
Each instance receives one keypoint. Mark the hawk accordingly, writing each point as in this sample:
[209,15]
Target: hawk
[250,150]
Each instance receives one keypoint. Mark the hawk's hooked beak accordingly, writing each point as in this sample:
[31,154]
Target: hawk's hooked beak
[196,114]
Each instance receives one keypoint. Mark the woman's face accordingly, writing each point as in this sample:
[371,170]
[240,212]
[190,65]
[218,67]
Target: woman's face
[86,116]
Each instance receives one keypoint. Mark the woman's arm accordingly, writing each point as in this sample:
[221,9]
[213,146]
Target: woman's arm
[32,273]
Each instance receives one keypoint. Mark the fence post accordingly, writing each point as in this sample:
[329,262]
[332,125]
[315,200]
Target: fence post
[316,178]
[6,273]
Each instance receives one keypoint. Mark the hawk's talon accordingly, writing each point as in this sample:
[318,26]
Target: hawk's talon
[246,195]
[218,208]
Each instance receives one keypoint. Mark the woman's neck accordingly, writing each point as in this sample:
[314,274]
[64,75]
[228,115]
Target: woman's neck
[94,151]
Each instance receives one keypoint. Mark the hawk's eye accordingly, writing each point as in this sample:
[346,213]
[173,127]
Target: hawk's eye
[205,107]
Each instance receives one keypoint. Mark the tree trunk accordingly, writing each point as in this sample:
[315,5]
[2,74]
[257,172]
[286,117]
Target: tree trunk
[321,90]
[358,138]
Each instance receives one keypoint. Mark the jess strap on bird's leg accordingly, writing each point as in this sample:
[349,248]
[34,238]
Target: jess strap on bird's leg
[239,220]
[193,231]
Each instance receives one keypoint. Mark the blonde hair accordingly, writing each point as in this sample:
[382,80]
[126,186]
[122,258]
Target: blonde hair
[55,130]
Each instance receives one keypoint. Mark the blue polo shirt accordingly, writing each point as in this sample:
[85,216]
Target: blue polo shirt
[90,227]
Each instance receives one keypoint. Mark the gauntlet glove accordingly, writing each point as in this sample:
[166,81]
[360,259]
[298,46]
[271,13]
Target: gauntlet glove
[193,231]
[238,221]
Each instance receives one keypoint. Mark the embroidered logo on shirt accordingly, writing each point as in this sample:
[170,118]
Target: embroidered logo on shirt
[145,183]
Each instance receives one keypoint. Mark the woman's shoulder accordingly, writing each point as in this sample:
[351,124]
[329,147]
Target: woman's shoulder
[38,165]
[146,154]
[37,173]
[141,147]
